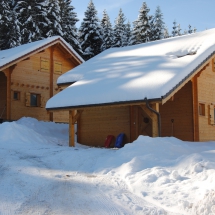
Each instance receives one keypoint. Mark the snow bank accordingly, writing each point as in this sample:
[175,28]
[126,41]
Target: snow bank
[148,176]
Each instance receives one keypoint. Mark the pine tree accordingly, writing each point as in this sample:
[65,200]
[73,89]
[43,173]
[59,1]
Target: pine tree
[127,34]
[190,31]
[119,30]
[54,27]
[174,32]
[185,31]
[179,30]
[141,31]
[32,15]
[107,31]
[9,27]
[194,30]
[68,23]
[90,33]
[157,25]
[166,32]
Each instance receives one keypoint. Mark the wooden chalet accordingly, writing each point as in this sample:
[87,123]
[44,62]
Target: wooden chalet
[28,75]
[161,88]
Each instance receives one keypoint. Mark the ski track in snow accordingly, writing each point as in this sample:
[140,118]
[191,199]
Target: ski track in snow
[74,192]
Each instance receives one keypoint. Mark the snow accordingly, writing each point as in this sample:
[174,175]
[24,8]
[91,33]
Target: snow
[40,174]
[10,55]
[132,73]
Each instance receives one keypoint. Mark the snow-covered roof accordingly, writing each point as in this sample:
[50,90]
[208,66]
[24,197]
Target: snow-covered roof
[10,56]
[132,73]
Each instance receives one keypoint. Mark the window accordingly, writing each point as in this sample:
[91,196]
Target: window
[201,109]
[16,95]
[58,67]
[44,65]
[33,100]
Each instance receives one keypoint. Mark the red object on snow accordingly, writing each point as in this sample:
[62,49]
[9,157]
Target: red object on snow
[108,141]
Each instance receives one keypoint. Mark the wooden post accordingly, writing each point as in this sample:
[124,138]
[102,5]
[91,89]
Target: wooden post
[153,117]
[8,74]
[195,109]
[71,128]
[51,78]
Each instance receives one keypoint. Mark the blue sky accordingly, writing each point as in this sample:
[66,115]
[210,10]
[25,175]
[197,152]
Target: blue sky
[197,13]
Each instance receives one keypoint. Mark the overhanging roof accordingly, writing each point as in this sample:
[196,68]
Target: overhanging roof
[153,70]
[12,56]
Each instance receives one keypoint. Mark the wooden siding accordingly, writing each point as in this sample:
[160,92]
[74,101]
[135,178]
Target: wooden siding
[3,94]
[206,96]
[27,77]
[95,124]
[180,109]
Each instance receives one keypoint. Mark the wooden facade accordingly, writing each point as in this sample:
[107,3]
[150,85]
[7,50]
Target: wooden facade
[187,114]
[27,84]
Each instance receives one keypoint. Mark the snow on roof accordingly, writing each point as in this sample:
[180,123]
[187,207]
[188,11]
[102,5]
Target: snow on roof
[10,55]
[132,73]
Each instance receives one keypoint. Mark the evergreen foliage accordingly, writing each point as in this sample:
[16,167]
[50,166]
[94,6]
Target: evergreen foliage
[166,32]
[54,27]
[157,25]
[127,34]
[32,15]
[107,31]
[119,38]
[90,33]
[190,31]
[68,23]
[179,30]
[9,27]
[141,31]
[174,31]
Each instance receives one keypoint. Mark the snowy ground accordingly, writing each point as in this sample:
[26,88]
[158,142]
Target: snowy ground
[39,174]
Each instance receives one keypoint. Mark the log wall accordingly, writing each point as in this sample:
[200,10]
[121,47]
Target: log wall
[3,94]
[206,97]
[95,124]
[180,109]
[28,77]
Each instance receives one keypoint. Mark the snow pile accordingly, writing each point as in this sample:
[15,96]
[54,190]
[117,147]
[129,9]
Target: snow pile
[132,73]
[41,174]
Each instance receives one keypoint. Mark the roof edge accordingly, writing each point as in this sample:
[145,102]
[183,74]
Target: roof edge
[134,102]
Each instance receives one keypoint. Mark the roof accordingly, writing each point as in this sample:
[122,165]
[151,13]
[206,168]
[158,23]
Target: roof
[11,56]
[129,74]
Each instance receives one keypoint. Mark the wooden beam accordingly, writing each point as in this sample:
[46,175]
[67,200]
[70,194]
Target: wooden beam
[195,109]
[153,117]
[9,72]
[76,117]
[51,78]
[71,129]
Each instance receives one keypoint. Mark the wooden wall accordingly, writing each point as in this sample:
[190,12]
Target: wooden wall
[95,124]
[206,96]
[3,94]
[27,77]
[180,108]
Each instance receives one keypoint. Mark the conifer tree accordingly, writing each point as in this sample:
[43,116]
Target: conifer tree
[90,33]
[166,32]
[54,27]
[174,31]
[179,30]
[127,34]
[32,15]
[194,30]
[68,23]
[119,30]
[107,31]
[9,27]
[141,30]
[185,31]
[157,25]
[190,31]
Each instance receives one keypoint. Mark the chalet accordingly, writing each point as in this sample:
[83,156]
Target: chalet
[160,88]
[28,75]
